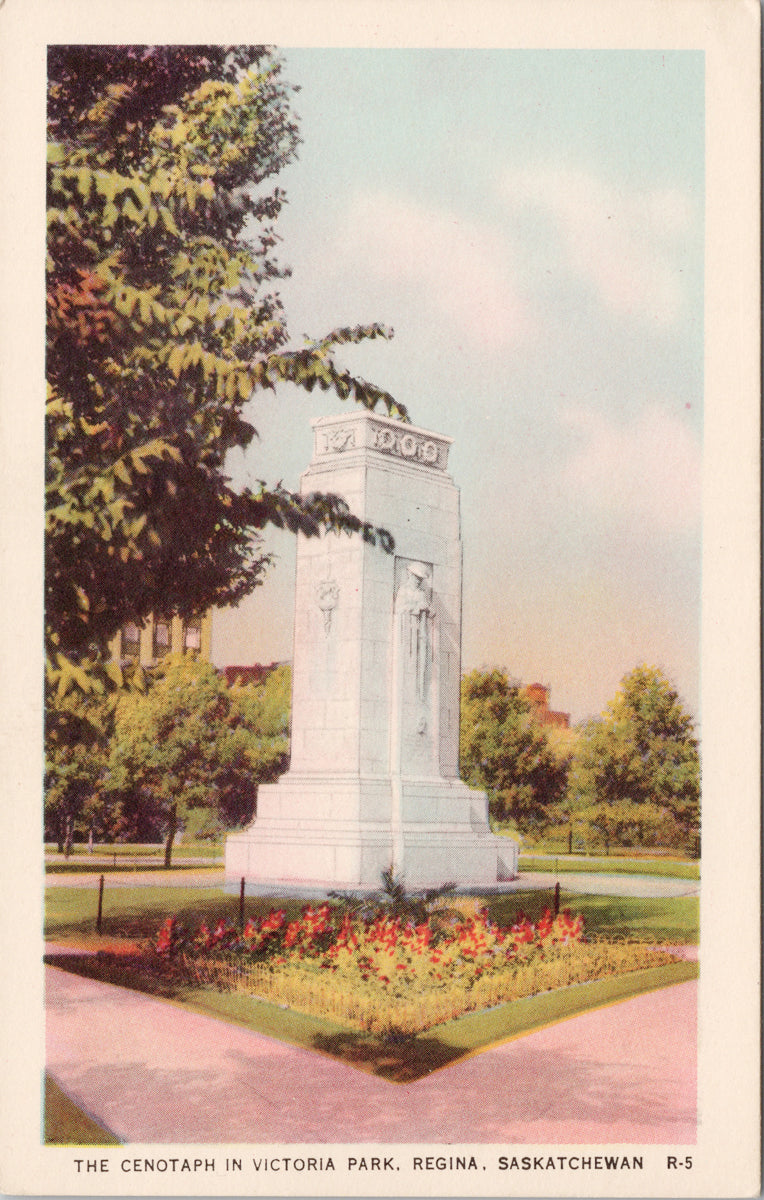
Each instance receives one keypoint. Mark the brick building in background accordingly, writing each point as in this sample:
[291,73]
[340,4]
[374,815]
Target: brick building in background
[537,695]
[257,673]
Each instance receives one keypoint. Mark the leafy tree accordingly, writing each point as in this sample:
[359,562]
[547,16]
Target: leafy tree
[163,319]
[75,766]
[635,774]
[506,752]
[190,751]
[265,708]
[623,823]
[562,743]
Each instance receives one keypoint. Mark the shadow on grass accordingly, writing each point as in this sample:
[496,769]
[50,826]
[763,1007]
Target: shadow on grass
[399,1061]
[132,971]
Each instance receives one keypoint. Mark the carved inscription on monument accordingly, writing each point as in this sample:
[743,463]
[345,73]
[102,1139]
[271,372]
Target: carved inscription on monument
[407,444]
[404,444]
[339,439]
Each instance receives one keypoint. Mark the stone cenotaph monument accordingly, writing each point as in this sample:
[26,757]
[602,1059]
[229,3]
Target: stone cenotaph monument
[374,780]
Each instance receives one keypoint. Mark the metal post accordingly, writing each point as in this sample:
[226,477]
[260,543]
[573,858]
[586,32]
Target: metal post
[557,898]
[241,905]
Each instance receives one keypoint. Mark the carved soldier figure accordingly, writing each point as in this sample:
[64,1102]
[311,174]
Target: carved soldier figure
[413,605]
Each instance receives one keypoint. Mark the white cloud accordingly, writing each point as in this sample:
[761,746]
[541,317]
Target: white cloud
[647,468]
[621,243]
[457,269]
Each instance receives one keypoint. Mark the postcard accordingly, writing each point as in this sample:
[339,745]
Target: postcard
[383,796]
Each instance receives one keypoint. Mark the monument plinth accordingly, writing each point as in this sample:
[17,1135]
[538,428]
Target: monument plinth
[374,772]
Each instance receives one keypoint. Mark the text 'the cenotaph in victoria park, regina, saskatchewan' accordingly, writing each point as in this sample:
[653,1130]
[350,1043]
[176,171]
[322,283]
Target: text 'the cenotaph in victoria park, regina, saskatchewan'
[374,780]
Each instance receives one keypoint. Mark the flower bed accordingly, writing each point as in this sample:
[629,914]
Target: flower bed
[386,974]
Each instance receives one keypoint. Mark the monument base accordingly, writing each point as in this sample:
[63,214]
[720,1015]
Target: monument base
[339,832]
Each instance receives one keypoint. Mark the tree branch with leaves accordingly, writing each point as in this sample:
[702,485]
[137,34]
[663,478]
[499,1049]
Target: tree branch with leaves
[163,320]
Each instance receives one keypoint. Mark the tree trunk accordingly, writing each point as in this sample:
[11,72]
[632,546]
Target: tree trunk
[68,837]
[570,839]
[172,828]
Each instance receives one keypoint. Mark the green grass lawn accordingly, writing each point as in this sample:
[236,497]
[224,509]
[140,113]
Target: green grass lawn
[68,1125]
[670,868]
[126,857]
[668,919]
[138,912]
[594,849]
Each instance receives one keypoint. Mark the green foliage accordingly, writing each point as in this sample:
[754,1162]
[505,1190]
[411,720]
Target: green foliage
[396,901]
[505,752]
[191,750]
[75,766]
[162,321]
[265,706]
[635,774]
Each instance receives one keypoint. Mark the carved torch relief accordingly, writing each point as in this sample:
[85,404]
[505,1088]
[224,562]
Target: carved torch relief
[327,598]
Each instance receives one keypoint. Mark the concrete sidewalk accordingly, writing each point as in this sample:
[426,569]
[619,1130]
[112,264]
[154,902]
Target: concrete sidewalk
[592,883]
[589,883]
[152,1072]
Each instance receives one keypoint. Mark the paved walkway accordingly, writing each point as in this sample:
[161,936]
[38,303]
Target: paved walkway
[570,881]
[128,878]
[594,884]
[152,1072]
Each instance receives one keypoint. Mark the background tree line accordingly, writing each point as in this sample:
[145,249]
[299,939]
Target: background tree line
[630,777]
[184,753]
[188,751]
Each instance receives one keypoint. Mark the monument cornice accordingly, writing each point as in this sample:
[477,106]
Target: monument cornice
[362,431]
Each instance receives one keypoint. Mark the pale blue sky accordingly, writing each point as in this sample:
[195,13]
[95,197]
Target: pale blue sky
[531,225]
